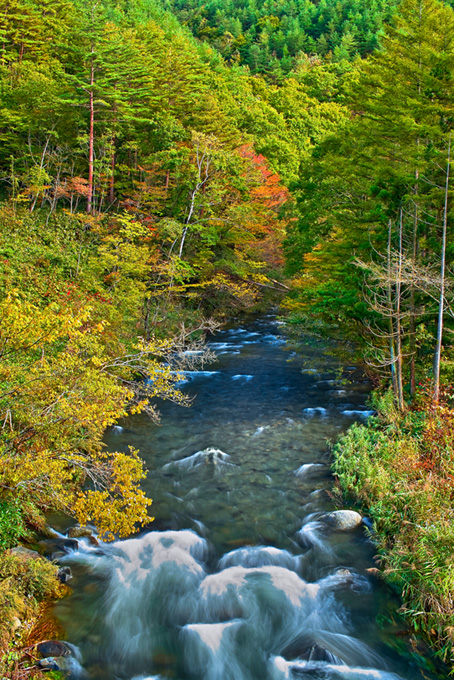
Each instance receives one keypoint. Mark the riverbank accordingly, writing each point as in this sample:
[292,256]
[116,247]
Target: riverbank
[401,468]
[29,584]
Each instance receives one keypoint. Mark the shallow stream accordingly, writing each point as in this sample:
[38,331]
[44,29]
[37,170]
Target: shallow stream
[239,577]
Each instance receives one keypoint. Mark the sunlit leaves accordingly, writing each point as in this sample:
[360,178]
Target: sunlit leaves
[60,389]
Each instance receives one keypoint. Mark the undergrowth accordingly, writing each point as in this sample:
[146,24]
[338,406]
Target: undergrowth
[401,467]
[27,584]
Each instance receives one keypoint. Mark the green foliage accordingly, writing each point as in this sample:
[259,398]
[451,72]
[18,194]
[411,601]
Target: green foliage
[371,200]
[392,467]
[12,525]
[271,40]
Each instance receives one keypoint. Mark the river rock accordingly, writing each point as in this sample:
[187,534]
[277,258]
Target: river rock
[79,532]
[52,545]
[16,623]
[49,664]
[20,550]
[51,648]
[65,664]
[57,555]
[64,574]
[342,520]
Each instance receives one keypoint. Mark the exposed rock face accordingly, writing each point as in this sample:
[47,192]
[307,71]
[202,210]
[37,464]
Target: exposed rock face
[342,520]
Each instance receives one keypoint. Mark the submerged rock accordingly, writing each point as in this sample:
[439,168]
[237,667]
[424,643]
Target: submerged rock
[342,520]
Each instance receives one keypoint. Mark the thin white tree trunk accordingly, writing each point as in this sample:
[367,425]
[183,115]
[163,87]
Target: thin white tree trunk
[437,353]
[392,350]
[399,358]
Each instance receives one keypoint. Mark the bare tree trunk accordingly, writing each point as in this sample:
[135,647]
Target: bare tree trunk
[41,166]
[113,158]
[203,170]
[392,351]
[112,175]
[188,221]
[91,134]
[412,329]
[437,353]
[399,358]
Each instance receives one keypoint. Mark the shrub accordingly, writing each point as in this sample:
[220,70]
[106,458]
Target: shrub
[12,527]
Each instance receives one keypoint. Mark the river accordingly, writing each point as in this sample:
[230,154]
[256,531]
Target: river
[239,577]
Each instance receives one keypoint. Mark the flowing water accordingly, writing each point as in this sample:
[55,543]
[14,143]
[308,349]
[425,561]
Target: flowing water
[239,577]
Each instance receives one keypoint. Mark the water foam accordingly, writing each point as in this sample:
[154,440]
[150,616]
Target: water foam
[326,671]
[211,455]
[260,556]
[308,468]
[316,410]
[355,413]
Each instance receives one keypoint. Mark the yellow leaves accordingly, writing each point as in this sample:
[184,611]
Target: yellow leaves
[118,508]
[241,290]
[140,406]
[62,386]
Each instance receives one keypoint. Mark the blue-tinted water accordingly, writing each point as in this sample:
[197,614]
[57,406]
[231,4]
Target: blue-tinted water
[239,578]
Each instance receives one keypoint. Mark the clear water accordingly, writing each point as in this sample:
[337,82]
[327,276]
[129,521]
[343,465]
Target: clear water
[238,578]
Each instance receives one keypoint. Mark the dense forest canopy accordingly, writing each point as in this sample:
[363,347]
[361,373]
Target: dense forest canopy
[273,38]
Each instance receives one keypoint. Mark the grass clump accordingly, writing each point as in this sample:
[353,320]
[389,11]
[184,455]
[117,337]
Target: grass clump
[401,467]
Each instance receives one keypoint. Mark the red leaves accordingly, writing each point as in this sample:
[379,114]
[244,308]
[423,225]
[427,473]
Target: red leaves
[270,192]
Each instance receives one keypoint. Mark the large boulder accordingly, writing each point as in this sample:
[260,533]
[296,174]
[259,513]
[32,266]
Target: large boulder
[342,520]
[79,532]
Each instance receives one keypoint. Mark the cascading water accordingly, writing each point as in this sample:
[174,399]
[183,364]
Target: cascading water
[241,576]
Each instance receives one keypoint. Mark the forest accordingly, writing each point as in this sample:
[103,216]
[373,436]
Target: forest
[167,165]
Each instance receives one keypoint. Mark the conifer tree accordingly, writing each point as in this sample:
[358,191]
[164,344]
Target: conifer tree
[389,163]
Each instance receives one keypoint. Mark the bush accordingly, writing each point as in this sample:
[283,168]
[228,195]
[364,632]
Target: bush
[400,467]
[25,582]
[12,527]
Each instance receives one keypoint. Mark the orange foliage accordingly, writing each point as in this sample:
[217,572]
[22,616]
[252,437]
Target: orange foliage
[270,192]
[268,195]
